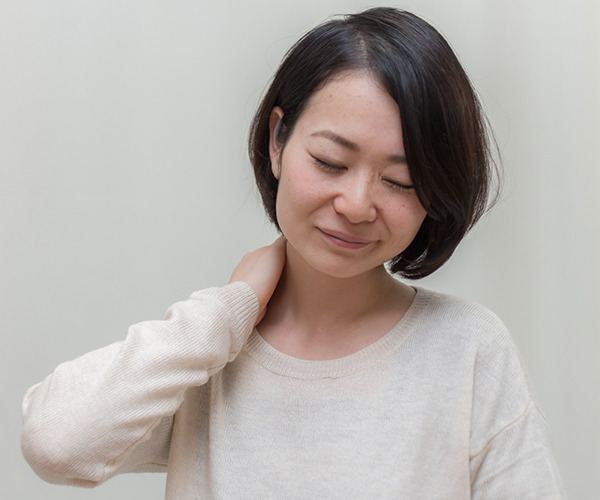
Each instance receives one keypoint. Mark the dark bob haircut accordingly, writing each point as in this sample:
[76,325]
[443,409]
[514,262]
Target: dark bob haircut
[445,133]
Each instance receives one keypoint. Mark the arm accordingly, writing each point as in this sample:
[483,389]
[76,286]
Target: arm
[83,422]
[518,462]
[110,410]
[511,452]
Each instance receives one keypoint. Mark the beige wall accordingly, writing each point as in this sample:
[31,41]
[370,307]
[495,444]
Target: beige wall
[124,185]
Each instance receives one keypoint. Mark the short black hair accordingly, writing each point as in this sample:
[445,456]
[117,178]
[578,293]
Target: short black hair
[445,134]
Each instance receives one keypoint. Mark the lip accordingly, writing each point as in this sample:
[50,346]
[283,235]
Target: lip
[345,240]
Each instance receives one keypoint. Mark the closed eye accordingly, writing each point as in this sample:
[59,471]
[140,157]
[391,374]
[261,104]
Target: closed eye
[327,167]
[397,185]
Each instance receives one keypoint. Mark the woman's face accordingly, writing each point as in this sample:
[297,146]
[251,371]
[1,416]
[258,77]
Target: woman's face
[345,201]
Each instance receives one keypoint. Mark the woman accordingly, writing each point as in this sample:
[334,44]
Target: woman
[315,373]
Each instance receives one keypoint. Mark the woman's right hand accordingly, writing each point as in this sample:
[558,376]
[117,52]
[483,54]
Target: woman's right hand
[261,269]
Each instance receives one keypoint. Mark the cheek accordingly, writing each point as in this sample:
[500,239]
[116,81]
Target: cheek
[289,203]
[419,214]
[299,188]
[406,220]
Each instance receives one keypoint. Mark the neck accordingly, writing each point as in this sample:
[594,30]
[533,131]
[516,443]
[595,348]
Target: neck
[329,301]
[322,314]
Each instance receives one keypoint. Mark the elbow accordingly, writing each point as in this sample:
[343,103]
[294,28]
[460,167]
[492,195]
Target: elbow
[53,462]
[50,450]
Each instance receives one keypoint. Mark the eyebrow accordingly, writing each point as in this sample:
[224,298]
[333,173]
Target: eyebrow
[328,134]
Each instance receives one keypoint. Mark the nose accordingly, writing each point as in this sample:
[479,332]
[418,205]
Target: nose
[355,200]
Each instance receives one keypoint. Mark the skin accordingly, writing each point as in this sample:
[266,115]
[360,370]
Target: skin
[345,206]
[262,269]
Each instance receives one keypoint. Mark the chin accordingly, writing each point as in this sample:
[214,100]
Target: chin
[344,270]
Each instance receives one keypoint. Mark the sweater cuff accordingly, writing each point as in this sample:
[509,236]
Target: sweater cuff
[242,306]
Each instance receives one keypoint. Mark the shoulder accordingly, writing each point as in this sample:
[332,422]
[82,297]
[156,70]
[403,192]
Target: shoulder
[474,339]
[499,387]
[456,312]
[470,326]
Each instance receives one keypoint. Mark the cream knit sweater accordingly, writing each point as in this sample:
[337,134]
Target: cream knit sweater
[438,408]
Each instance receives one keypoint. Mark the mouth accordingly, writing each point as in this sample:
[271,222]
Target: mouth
[345,240]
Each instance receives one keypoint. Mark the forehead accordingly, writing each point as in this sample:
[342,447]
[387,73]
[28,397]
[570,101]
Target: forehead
[355,106]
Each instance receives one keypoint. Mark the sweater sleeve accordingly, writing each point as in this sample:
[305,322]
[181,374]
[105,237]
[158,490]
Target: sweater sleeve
[518,463]
[511,455]
[111,410]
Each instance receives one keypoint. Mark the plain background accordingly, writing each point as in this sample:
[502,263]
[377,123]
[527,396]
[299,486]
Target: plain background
[125,186]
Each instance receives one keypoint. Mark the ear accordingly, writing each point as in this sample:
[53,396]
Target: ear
[275,147]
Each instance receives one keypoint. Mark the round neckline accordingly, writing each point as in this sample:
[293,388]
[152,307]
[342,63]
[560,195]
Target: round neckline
[289,366]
